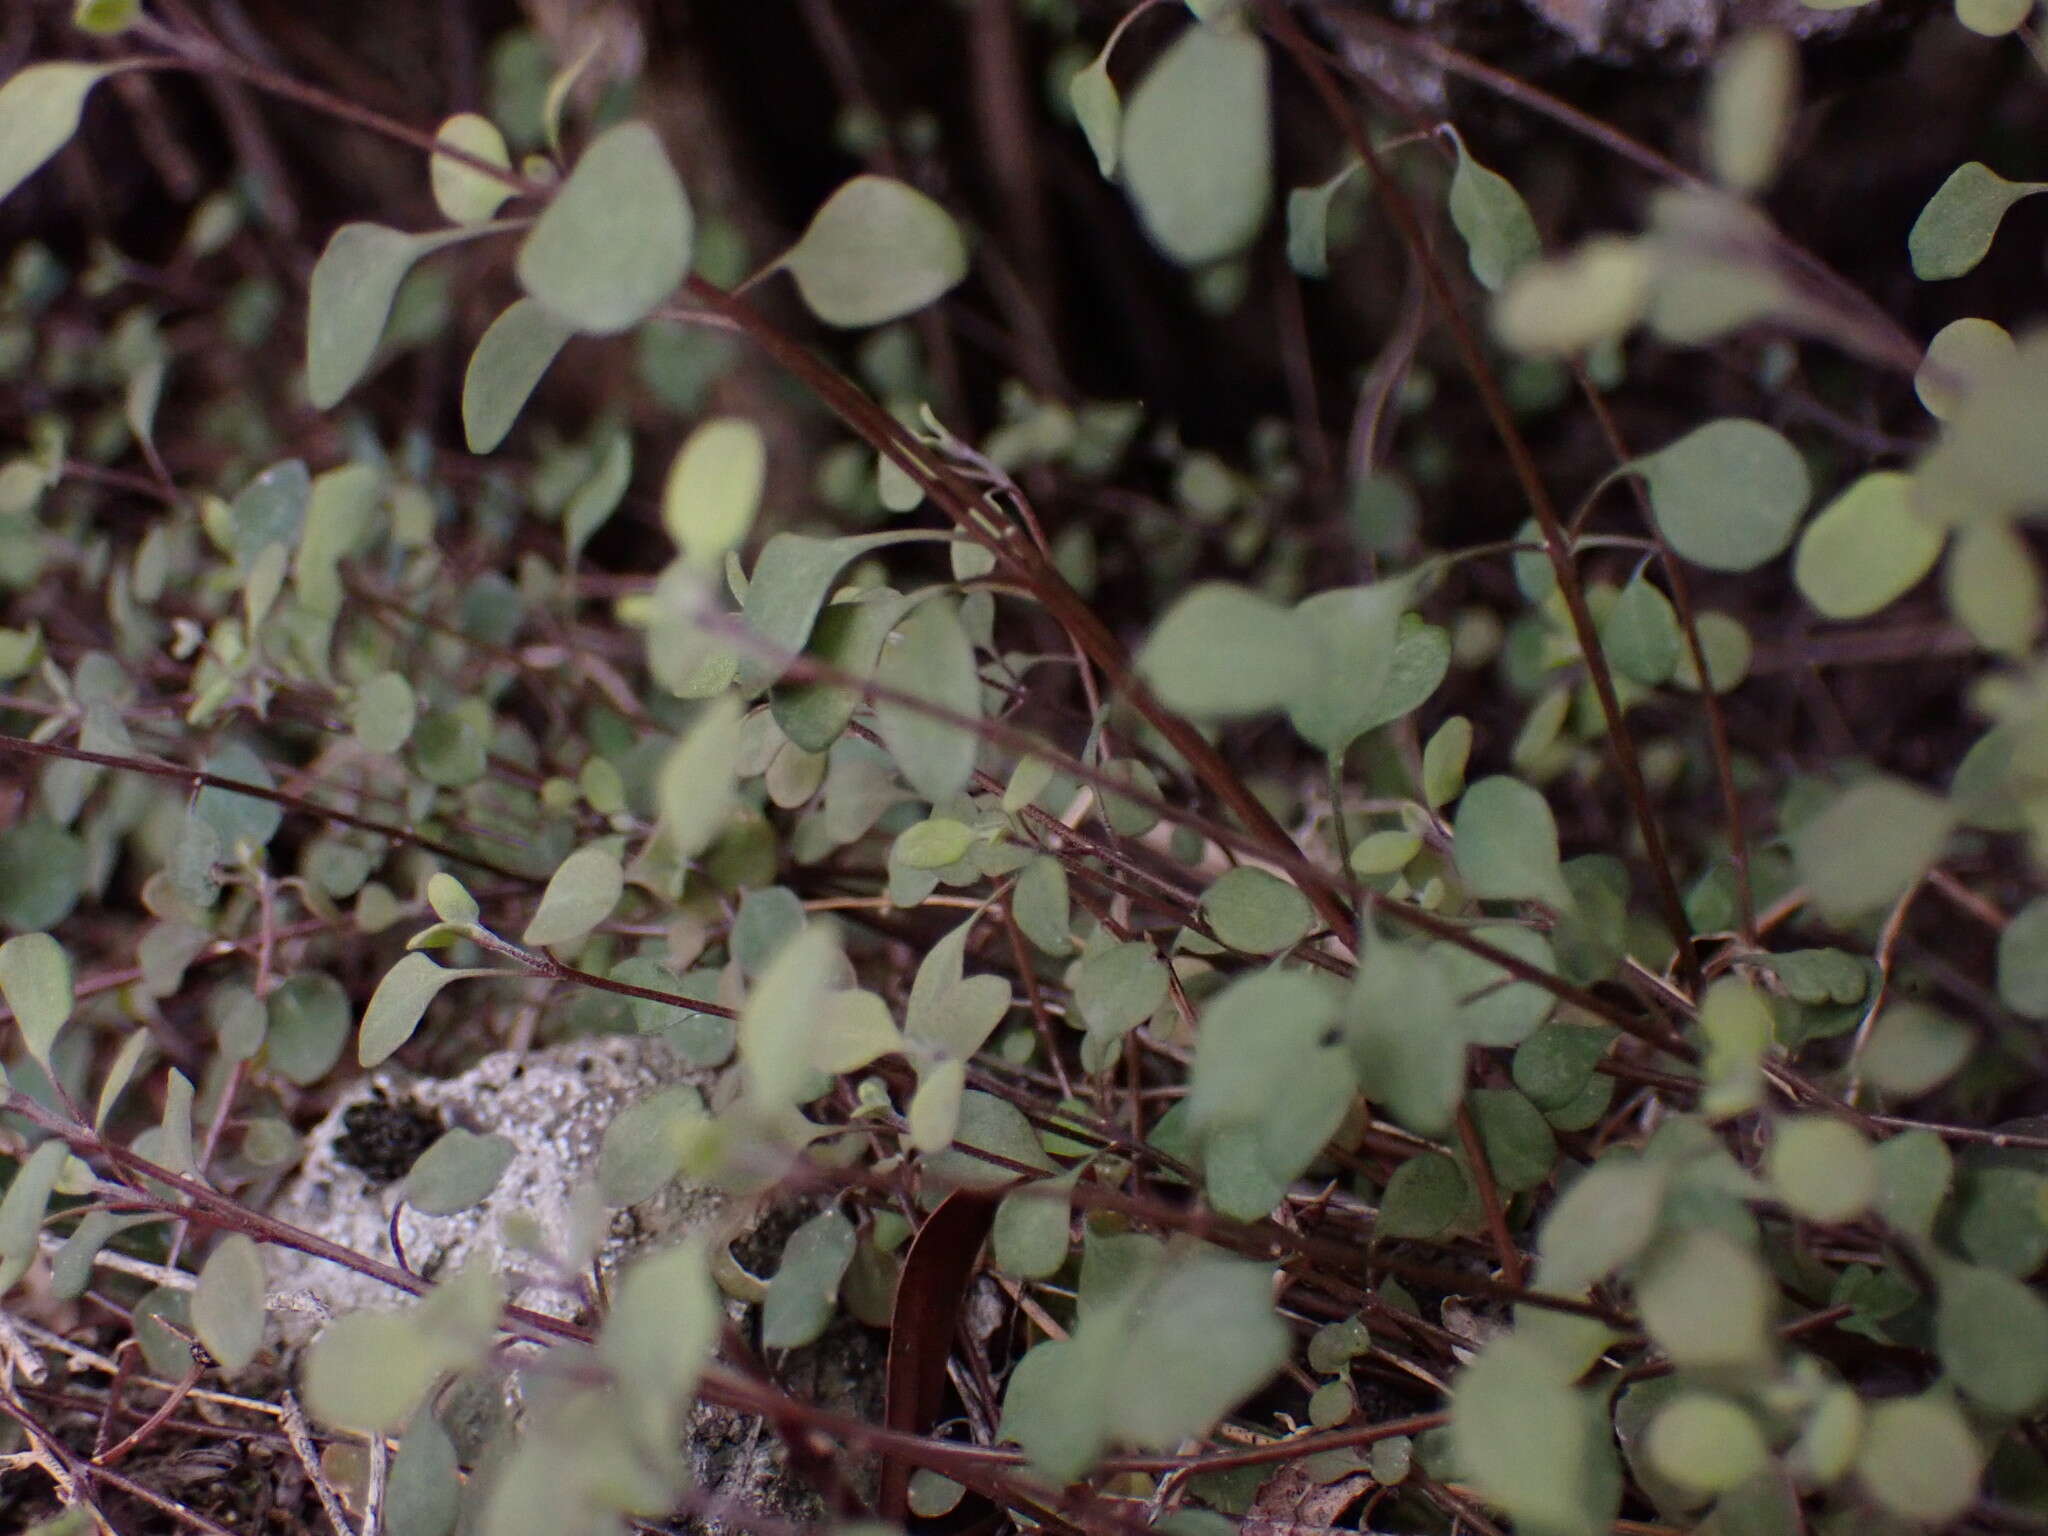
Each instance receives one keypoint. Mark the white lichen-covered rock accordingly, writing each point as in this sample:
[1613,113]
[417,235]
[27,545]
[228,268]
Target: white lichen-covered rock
[552,1106]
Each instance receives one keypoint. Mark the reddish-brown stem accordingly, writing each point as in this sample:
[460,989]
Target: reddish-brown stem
[1281,24]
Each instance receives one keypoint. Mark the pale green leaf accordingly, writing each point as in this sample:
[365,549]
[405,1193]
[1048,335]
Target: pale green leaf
[1203,1338]
[382,713]
[1956,227]
[1500,236]
[507,364]
[615,240]
[35,980]
[401,999]
[1353,633]
[39,111]
[781,1014]
[1527,1440]
[456,1172]
[1443,762]
[1750,104]
[1822,1167]
[1866,548]
[1993,587]
[714,488]
[1603,1221]
[1919,1459]
[1708,1302]
[349,302]
[698,779]
[1706,1444]
[1575,302]
[1726,495]
[1505,841]
[876,251]
[1960,353]
[1912,1049]
[464,194]
[579,896]
[1257,912]
[1991,1332]
[1197,151]
[1308,222]
[1223,651]
[22,1207]
[805,1289]
[1098,109]
[931,658]
[228,1302]
[2022,961]
[1402,1027]
[1869,844]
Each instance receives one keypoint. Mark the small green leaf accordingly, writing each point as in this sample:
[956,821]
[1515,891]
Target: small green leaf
[1993,18]
[931,658]
[1749,108]
[228,1302]
[1531,1443]
[1202,1339]
[698,779]
[458,1171]
[1960,352]
[1822,1167]
[35,979]
[1915,1173]
[464,194]
[508,363]
[1401,1024]
[876,251]
[424,1495]
[1993,588]
[1569,305]
[2022,961]
[1500,236]
[450,899]
[1308,222]
[1866,548]
[1197,151]
[1519,1145]
[1919,1459]
[22,1207]
[1256,912]
[1341,681]
[1098,109]
[933,844]
[1222,651]
[714,489]
[1033,1230]
[1912,1049]
[1444,760]
[781,1015]
[368,1370]
[383,713]
[1706,1444]
[1505,842]
[1603,1221]
[1641,635]
[580,895]
[1707,1302]
[1956,227]
[1118,986]
[805,1289]
[1869,845]
[401,999]
[309,1019]
[615,241]
[1991,1332]
[39,111]
[1040,904]
[1726,495]
[349,302]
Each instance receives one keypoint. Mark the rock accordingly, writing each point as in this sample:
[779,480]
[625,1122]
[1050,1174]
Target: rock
[551,1105]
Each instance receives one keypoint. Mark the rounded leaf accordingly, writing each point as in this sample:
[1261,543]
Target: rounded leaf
[1726,495]
[35,979]
[714,488]
[1822,1167]
[228,1302]
[1197,152]
[1505,842]
[1256,912]
[464,194]
[877,250]
[615,241]
[456,1172]
[580,895]
[1865,548]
